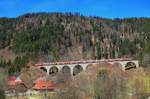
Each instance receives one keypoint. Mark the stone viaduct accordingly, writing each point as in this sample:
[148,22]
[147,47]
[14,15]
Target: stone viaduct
[75,67]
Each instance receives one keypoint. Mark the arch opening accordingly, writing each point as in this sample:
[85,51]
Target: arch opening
[77,69]
[130,65]
[117,65]
[44,69]
[89,66]
[53,71]
[66,70]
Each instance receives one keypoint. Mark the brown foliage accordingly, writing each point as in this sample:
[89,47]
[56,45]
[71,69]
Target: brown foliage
[29,75]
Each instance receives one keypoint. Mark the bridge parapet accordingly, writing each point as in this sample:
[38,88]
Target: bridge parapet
[83,62]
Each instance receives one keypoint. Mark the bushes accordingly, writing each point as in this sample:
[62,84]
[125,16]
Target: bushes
[110,85]
[17,64]
[3,75]
[139,84]
[4,64]
[2,94]
[107,83]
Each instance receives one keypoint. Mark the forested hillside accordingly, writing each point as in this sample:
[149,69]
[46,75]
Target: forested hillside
[67,36]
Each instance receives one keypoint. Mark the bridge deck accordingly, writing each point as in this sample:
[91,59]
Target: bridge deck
[83,62]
